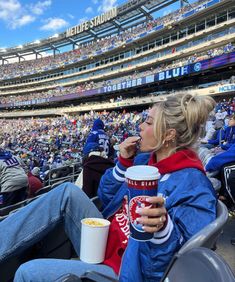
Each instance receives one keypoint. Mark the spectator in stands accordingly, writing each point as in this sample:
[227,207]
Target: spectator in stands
[217,161]
[215,165]
[218,136]
[96,152]
[219,115]
[97,140]
[35,182]
[170,131]
[229,134]
[13,179]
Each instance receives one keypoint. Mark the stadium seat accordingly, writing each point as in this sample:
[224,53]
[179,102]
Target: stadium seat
[97,202]
[207,237]
[61,181]
[194,265]
[228,172]
[43,190]
[11,198]
[9,209]
[199,264]
[57,174]
[77,167]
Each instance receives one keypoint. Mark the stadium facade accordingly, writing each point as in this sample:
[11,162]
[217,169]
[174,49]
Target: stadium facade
[123,58]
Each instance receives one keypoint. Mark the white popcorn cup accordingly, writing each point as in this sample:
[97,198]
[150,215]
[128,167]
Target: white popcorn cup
[93,240]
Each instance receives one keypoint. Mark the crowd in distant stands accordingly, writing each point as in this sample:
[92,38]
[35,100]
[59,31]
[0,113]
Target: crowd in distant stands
[53,142]
[87,49]
[64,90]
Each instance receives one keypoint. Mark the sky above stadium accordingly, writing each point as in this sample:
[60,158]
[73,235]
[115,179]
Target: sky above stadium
[23,21]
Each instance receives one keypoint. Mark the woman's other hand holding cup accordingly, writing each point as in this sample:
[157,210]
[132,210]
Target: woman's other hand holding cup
[153,219]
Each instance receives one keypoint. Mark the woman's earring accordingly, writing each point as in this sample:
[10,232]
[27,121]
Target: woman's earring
[165,143]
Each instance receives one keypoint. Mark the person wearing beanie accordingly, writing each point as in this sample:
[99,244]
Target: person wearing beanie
[95,162]
[97,139]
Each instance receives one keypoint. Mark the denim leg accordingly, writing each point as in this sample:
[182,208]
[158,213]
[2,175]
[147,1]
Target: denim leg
[50,270]
[67,203]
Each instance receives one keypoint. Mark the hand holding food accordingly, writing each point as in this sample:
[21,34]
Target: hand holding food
[128,147]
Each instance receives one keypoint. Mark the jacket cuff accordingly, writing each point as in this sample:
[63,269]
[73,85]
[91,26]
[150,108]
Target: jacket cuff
[119,172]
[126,162]
[163,235]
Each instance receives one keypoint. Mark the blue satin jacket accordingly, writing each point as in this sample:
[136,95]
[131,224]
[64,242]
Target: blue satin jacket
[190,203]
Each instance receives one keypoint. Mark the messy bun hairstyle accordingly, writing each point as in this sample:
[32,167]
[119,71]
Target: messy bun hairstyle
[187,114]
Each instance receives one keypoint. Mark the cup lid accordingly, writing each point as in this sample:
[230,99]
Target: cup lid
[142,172]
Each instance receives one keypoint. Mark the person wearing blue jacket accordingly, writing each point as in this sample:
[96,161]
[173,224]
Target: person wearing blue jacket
[219,160]
[229,134]
[97,139]
[184,204]
[218,136]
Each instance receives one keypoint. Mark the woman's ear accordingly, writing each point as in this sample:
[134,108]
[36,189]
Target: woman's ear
[170,135]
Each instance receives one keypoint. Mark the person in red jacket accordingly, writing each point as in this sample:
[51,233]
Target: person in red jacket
[35,182]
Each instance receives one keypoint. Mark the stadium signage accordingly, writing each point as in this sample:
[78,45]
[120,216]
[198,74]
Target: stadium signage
[173,73]
[103,18]
[123,85]
[217,61]
[227,88]
[31,102]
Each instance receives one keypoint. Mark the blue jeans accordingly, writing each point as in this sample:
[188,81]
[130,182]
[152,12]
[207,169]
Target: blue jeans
[68,204]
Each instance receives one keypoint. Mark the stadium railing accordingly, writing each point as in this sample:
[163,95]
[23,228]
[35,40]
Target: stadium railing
[63,174]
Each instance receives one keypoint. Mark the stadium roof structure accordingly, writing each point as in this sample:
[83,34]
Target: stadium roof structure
[129,14]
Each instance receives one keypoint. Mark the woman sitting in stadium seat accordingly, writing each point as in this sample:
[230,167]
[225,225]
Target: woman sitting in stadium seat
[184,205]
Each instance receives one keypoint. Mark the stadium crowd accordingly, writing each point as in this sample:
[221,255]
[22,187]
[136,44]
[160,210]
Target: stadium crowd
[52,142]
[48,143]
[14,70]
[80,88]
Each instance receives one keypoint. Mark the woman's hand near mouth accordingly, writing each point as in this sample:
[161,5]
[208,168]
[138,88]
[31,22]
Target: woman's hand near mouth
[128,147]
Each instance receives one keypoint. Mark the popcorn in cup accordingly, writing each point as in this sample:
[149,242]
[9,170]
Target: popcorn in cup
[94,235]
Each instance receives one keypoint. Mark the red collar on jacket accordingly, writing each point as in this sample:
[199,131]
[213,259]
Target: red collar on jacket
[179,160]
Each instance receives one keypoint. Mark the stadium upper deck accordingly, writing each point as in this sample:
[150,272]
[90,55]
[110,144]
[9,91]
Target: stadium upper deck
[120,18]
[152,51]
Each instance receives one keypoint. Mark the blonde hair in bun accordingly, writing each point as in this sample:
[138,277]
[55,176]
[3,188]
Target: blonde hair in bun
[184,112]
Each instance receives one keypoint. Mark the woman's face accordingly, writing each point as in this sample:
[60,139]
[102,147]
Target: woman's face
[148,141]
